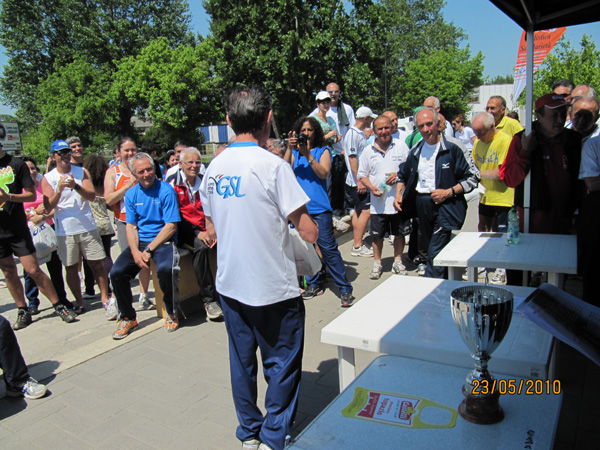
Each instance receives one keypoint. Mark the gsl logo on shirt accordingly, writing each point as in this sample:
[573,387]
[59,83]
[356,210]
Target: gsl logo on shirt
[226,186]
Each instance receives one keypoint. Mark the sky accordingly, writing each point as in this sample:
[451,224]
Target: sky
[487,28]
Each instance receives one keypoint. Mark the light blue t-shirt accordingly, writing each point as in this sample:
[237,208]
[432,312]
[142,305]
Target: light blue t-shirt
[151,209]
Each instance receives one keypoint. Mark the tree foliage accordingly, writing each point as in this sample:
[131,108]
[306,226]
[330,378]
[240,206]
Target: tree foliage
[580,66]
[305,45]
[449,75]
[40,36]
[502,79]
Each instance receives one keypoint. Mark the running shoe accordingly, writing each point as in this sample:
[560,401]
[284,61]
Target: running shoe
[421,270]
[171,323]
[347,298]
[124,328]
[363,251]
[30,390]
[111,309]
[251,444]
[339,225]
[67,315]
[213,310]
[398,268]
[312,291]
[145,303]
[499,277]
[375,273]
[23,320]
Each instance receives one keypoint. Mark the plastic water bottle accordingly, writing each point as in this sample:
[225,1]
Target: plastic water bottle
[513,226]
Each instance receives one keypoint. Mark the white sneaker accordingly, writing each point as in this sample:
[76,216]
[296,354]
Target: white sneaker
[480,271]
[375,272]
[363,250]
[111,309]
[145,303]
[398,268]
[339,225]
[499,277]
[421,270]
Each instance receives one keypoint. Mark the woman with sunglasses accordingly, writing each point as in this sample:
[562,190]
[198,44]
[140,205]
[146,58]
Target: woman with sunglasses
[465,134]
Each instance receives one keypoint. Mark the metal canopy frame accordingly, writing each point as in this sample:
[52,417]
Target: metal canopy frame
[533,15]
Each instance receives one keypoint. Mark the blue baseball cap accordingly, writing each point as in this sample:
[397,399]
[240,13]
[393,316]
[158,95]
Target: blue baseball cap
[57,146]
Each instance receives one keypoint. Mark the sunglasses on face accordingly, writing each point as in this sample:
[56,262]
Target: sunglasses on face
[65,152]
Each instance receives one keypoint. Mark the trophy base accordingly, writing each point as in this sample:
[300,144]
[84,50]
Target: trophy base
[481,409]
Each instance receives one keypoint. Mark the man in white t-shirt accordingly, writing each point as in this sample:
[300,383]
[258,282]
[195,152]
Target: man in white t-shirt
[68,190]
[357,196]
[377,169]
[249,195]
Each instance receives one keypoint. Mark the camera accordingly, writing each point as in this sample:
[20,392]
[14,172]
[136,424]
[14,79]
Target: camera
[302,139]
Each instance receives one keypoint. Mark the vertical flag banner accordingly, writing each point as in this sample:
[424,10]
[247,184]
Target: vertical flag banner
[543,42]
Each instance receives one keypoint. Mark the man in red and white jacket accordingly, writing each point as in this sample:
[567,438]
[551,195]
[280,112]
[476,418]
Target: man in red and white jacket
[191,231]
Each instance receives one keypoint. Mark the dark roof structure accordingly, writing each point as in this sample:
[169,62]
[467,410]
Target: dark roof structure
[546,14]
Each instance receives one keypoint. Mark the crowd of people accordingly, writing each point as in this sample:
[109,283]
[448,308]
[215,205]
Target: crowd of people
[335,161]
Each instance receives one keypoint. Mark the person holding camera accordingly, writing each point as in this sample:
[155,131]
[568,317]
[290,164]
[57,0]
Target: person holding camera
[310,159]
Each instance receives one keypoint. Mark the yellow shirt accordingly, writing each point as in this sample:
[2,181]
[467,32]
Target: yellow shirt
[489,157]
[509,126]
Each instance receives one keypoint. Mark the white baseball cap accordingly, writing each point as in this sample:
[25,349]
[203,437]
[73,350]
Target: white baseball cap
[323,95]
[365,111]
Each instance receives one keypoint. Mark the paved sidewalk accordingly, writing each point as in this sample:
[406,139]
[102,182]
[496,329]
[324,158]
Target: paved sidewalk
[158,390]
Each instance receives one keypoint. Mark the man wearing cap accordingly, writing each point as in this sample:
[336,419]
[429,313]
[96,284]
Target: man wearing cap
[68,190]
[357,196]
[343,116]
[496,106]
[16,188]
[377,170]
[552,154]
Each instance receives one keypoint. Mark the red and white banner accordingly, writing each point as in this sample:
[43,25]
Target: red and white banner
[543,42]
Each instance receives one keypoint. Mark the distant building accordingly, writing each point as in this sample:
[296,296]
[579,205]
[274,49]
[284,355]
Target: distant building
[216,134]
[482,94]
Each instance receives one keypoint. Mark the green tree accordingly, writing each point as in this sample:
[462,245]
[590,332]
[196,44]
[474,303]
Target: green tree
[292,47]
[174,88]
[502,79]
[580,66]
[449,75]
[40,36]
[75,100]
[296,48]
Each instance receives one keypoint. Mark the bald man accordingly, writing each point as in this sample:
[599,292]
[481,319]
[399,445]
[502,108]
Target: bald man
[434,102]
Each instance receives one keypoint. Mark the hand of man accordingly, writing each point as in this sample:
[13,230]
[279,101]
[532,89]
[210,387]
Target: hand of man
[528,141]
[360,187]
[440,195]
[203,236]
[142,259]
[391,179]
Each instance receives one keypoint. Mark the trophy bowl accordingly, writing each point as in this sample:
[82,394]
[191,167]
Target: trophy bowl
[482,315]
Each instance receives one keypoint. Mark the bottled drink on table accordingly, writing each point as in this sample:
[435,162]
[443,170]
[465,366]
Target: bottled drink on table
[513,226]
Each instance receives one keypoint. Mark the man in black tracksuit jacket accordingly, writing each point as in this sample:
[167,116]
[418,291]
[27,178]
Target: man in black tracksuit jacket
[431,185]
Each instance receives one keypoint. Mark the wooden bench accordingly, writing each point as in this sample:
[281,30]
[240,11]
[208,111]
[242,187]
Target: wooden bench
[189,291]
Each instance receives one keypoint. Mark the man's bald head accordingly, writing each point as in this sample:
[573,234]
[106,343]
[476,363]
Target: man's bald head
[484,127]
[393,119]
[432,102]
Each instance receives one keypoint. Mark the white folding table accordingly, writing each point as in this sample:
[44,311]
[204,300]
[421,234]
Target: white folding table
[529,421]
[552,253]
[411,317]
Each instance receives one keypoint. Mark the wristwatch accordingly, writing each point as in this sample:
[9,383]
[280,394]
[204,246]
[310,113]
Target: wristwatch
[147,250]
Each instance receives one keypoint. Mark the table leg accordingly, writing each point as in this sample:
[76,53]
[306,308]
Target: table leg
[346,368]
[557,279]
[473,274]
[455,273]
